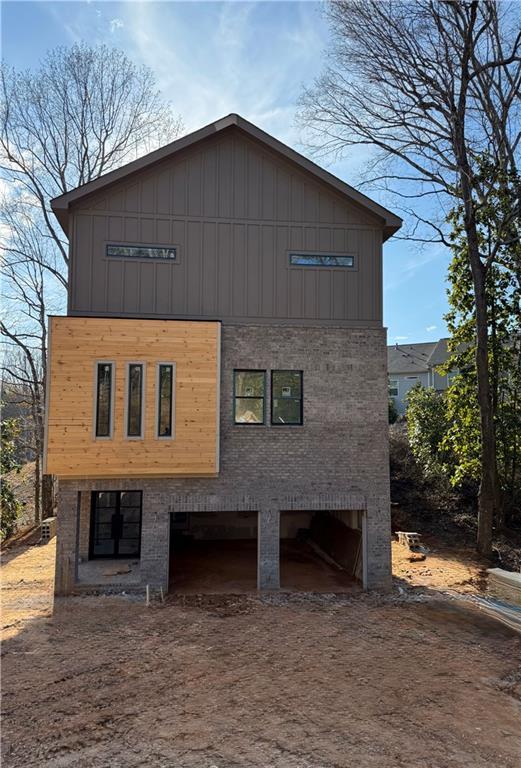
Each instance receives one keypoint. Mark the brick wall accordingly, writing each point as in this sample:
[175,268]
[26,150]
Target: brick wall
[337,460]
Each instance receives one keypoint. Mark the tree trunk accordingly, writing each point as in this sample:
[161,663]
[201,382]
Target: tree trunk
[37,489]
[47,496]
[489,486]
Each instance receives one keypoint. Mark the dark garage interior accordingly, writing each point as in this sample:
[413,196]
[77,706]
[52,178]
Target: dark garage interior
[216,552]
[213,552]
[320,551]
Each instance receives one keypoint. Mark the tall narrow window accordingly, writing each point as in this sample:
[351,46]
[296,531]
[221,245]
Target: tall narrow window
[135,400]
[104,386]
[249,389]
[165,399]
[286,397]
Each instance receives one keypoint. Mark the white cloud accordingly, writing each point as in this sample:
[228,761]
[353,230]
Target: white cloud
[115,24]
[234,71]
[431,328]
[400,338]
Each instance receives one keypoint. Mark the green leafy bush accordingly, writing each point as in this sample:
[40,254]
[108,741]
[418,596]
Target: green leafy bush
[427,425]
[10,506]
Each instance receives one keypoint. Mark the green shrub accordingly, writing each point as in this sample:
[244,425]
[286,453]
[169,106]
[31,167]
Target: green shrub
[9,506]
[393,413]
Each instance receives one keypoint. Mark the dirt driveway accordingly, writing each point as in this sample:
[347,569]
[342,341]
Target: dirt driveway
[279,682]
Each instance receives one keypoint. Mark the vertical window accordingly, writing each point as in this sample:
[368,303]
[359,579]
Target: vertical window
[165,399]
[135,390]
[104,387]
[249,387]
[286,397]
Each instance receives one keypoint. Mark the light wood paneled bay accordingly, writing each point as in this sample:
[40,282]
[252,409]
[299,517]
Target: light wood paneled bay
[77,343]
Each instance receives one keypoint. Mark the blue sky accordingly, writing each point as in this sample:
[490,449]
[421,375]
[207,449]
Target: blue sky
[214,58]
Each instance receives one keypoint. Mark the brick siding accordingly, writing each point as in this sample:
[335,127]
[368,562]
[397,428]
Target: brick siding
[337,460]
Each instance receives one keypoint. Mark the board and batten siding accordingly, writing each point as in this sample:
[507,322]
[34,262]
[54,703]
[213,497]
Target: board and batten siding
[234,210]
[77,344]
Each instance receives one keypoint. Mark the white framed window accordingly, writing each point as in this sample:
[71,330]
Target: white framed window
[165,401]
[104,381]
[135,401]
[393,387]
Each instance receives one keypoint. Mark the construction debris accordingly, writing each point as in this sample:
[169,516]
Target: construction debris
[506,613]
[408,538]
[505,585]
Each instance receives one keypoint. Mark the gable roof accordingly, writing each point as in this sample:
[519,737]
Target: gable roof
[60,205]
[416,358]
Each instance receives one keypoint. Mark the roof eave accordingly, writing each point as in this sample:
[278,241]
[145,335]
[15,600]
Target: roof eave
[390,230]
[60,205]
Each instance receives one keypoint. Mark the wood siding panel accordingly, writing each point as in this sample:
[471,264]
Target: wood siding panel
[233,209]
[209,262]
[267,282]
[77,343]
[225,271]
[238,276]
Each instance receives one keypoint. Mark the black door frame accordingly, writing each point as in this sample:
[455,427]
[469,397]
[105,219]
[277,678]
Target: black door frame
[116,555]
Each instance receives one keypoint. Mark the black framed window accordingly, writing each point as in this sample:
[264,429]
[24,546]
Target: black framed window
[104,395]
[115,527]
[141,252]
[249,389]
[286,398]
[165,399]
[321,260]
[135,389]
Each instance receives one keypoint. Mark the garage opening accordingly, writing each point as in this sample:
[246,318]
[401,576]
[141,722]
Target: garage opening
[213,552]
[321,551]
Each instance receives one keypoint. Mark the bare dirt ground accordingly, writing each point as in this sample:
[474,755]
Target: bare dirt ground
[452,568]
[285,681]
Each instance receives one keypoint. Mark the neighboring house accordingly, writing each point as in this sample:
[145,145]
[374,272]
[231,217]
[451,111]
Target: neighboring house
[411,364]
[221,371]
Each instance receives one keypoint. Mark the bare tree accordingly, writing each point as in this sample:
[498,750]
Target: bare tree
[432,86]
[30,291]
[84,112]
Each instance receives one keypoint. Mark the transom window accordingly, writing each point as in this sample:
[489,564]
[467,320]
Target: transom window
[393,387]
[321,260]
[249,393]
[141,252]
[286,397]
[104,399]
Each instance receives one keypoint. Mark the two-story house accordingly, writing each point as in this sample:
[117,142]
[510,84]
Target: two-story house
[221,372]
[411,364]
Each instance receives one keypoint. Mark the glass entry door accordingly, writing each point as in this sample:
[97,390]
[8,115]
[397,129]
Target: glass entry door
[115,529]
